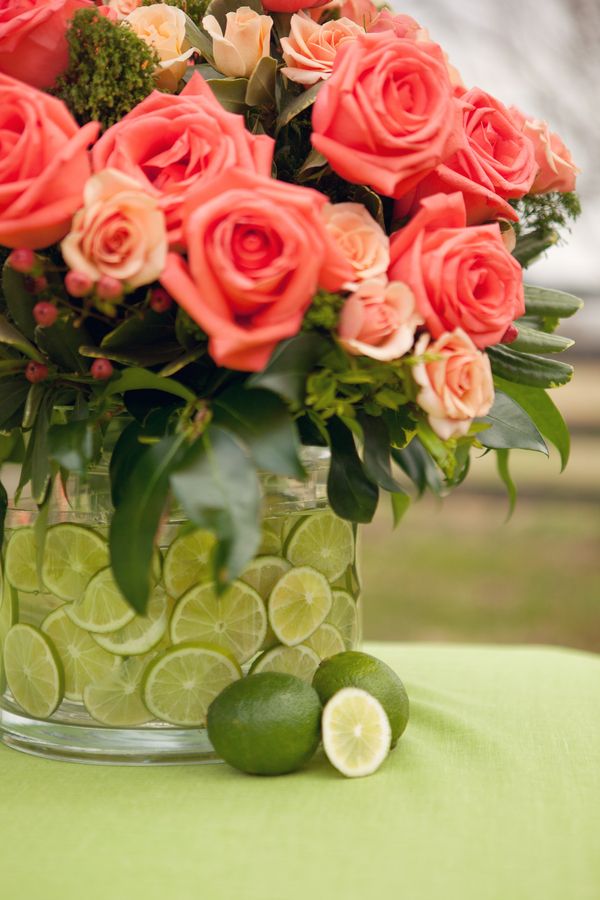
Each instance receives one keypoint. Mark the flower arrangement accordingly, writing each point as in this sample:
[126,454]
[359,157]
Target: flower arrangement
[249,228]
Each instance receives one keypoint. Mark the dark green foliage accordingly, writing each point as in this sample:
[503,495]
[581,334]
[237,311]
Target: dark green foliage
[324,312]
[195,9]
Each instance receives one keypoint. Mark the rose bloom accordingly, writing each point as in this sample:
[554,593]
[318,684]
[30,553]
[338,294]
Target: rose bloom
[258,250]
[120,232]
[387,115]
[310,50]
[556,170]
[359,11]
[246,40]
[379,320]
[497,163]
[122,8]
[33,43]
[456,383]
[44,165]
[290,6]
[361,239]
[461,277]
[163,27]
[169,143]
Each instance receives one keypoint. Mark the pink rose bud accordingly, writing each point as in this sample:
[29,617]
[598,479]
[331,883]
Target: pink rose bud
[78,284]
[160,301]
[510,335]
[109,288]
[101,369]
[22,260]
[45,313]
[36,372]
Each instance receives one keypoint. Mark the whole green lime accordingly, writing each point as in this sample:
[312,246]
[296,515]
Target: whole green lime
[266,724]
[360,670]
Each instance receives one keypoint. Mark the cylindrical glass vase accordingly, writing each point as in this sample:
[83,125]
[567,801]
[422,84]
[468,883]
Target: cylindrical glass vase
[86,679]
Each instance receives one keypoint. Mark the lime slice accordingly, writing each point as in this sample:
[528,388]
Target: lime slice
[9,609]
[236,621]
[344,617]
[356,732]
[270,540]
[188,562]
[326,641]
[102,607]
[117,700]
[323,542]
[33,671]
[300,661]
[83,661]
[21,563]
[72,555]
[263,573]
[299,603]
[143,633]
[181,683]
[289,524]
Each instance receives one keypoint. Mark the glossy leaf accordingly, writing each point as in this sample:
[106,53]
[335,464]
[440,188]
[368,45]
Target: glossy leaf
[526,368]
[19,301]
[150,355]
[61,343]
[543,412]
[136,379]
[546,302]
[230,92]
[124,458]
[352,494]
[312,167]
[13,394]
[400,505]
[297,105]
[10,336]
[144,329]
[376,453]
[510,427]
[261,84]
[197,37]
[416,462]
[3,509]
[291,363]
[502,457]
[531,245]
[531,340]
[74,445]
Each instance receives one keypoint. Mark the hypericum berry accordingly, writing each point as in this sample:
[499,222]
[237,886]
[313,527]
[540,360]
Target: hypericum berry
[101,369]
[22,260]
[40,283]
[510,335]
[160,300]
[78,284]
[109,288]
[45,313]
[36,372]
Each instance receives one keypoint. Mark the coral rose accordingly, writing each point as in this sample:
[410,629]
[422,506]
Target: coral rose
[496,164]
[33,42]
[163,27]
[290,6]
[361,239]
[379,320]
[456,383]
[310,50]
[246,40]
[387,116]
[556,170]
[44,165]
[461,277]
[168,143]
[359,11]
[122,8]
[120,232]
[258,250]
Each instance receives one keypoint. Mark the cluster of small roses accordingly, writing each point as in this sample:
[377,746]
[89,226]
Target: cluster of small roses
[180,191]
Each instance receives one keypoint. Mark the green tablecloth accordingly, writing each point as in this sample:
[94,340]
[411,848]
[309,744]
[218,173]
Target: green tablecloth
[492,794]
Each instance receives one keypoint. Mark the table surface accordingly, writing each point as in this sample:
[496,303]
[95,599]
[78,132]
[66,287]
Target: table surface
[492,794]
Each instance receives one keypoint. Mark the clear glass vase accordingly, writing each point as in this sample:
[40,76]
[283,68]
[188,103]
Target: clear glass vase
[84,678]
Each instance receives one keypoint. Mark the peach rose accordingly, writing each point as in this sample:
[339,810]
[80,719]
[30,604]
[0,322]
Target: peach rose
[246,40]
[163,27]
[379,320]
[496,164]
[44,165]
[456,383]
[556,170]
[120,232]
[361,239]
[33,42]
[359,11]
[387,116]
[310,50]
[169,143]
[122,8]
[461,277]
[258,250]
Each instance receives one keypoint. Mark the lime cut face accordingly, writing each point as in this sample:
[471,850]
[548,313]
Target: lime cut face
[299,603]
[300,661]
[102,607]
[323,542]
[21,560]
[83,661]
[181,683]
[33,671]
[344,616]
[142,633]
[72,555]
[263,573]
[117,700]
[188,562]
[235,621]
[326,641]
[356,732]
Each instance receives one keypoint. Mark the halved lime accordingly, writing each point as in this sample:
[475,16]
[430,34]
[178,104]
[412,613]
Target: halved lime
[117,700]
[72,555]
[9,609]
[300,661]
[235,621]
[299,603]
[323,542]
[356,732]
[142,633]
[345,617]
[33,671]
[264,572]
[181,683]
[188,562]
[83,661]
[270,543]
[289,524]
[20,563]
[102,607]
[326,641]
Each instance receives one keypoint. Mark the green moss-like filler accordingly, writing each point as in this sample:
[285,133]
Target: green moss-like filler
[110,69]
[195,9]
[324,312]
[542,220]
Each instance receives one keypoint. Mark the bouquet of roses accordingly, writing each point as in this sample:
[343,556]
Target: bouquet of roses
[247,227]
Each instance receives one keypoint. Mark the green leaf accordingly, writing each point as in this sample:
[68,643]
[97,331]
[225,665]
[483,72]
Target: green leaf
[531,245]
[12,446]
[542,410]
[230,92]
[376,454]
[352,494]
[197,37]
[217,486]
[504,473]
[437,448]
[151,355]
[525,368]
[264,424]
[19,301]
[13,394]
[360,193]
[124,458]
[143,329]
[511,427]
[297,105]
[291,363]
[136,379]
[3,509]
[312,167]
[546,302]
[181,361]
[400,504]
[415,461]
[137,518]
[36,465]
[261,84]
[32,404]
[74,445]
[532,341]
[61,343]
[13,338]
